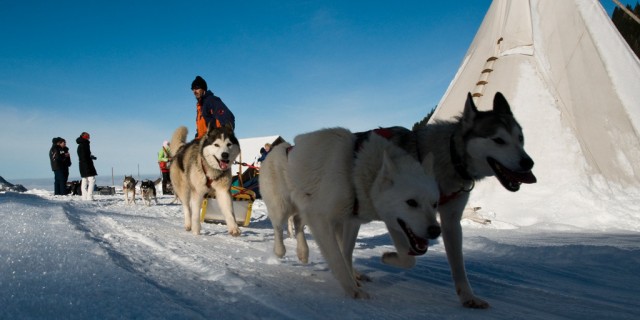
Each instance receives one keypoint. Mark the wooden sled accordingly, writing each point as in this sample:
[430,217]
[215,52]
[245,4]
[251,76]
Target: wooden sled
[242,204]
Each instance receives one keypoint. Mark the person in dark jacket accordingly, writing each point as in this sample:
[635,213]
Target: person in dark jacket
[60,162]
[211,111]
[87,169]
[264,152]
[67,161]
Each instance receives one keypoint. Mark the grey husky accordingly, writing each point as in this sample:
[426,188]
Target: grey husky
[129,187]
[476,145]
[335,182]
[201,167]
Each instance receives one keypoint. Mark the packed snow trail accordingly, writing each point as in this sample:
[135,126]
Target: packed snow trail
[65,258]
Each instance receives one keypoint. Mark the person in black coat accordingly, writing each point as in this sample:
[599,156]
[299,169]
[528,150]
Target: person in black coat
[87,169]
[66,162]
[56,158]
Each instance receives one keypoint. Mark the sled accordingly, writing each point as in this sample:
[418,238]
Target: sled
[242,204]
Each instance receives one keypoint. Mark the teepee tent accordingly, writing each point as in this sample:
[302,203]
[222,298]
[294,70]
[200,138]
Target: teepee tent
[574,85]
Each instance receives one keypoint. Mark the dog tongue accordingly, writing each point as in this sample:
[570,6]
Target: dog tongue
[419,247]
[224,165]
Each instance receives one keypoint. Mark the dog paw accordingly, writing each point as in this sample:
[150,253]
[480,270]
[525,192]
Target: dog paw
[304,258]
[361,277]
[397,260]
[187,228]
[474,302]
[359,294]
[279,251]
[234,232]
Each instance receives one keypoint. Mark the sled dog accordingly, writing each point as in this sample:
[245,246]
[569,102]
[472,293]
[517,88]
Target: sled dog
[203,166]
[129,187]
[336,183]
[475,145]
[276,194]
[148,191]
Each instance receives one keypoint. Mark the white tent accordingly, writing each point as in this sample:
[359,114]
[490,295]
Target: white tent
[574,85]
[251,150]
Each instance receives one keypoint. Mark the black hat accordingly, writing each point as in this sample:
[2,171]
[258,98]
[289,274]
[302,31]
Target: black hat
[199,83]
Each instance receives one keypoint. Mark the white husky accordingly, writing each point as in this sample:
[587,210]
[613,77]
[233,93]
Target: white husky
[474,146]
[336,183]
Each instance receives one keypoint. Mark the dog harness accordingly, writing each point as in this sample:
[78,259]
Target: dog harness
[361,137]
[461,169]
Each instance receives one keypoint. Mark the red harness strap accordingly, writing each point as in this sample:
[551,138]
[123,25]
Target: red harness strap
[444,198]
[209,180]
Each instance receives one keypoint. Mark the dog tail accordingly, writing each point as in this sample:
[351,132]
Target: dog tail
[179,138]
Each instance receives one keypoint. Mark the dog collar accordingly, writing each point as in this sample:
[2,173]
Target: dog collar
[444,198]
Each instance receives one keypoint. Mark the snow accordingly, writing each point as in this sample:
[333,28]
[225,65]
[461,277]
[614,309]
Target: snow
[567,247]
[61,257]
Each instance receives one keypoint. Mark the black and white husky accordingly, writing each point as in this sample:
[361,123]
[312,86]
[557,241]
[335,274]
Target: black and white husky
[148,191]
[129,189]
[333,183]
[476,145]
[203,166]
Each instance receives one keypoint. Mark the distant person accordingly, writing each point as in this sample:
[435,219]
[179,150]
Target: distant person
[60,162]
[87,169]
[66,163]
[164,161]
[211,111]
[264,152]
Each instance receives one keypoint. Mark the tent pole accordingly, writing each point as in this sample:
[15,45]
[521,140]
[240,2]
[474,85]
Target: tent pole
[625,9]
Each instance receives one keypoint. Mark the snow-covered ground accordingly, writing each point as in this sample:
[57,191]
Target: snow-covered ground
[61,257]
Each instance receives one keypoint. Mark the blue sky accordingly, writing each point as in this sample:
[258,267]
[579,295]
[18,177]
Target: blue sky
[122,70]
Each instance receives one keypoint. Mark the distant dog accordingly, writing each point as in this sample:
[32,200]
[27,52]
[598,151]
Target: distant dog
[203,166]
[335,181]
[473,146]
[129,188]
[148,191]
[74,188]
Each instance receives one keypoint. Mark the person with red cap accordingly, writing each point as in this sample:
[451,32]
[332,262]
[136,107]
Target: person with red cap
[211,111]
[87,169]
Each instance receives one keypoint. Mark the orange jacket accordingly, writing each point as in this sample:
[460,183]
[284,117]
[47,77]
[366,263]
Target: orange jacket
[212,111]
[201,122]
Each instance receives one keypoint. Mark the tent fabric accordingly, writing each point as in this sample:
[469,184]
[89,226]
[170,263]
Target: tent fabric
[250,148]
[564,62]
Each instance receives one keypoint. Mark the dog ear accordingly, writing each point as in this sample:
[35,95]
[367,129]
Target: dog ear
[427,164]
[500,105]
[469,114]
[387,172]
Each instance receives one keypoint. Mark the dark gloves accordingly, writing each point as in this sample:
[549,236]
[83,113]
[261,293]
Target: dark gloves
[93,157]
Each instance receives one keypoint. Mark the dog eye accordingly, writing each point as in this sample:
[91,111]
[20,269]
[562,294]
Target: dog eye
[499,141]
[435,205]
[412,203]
